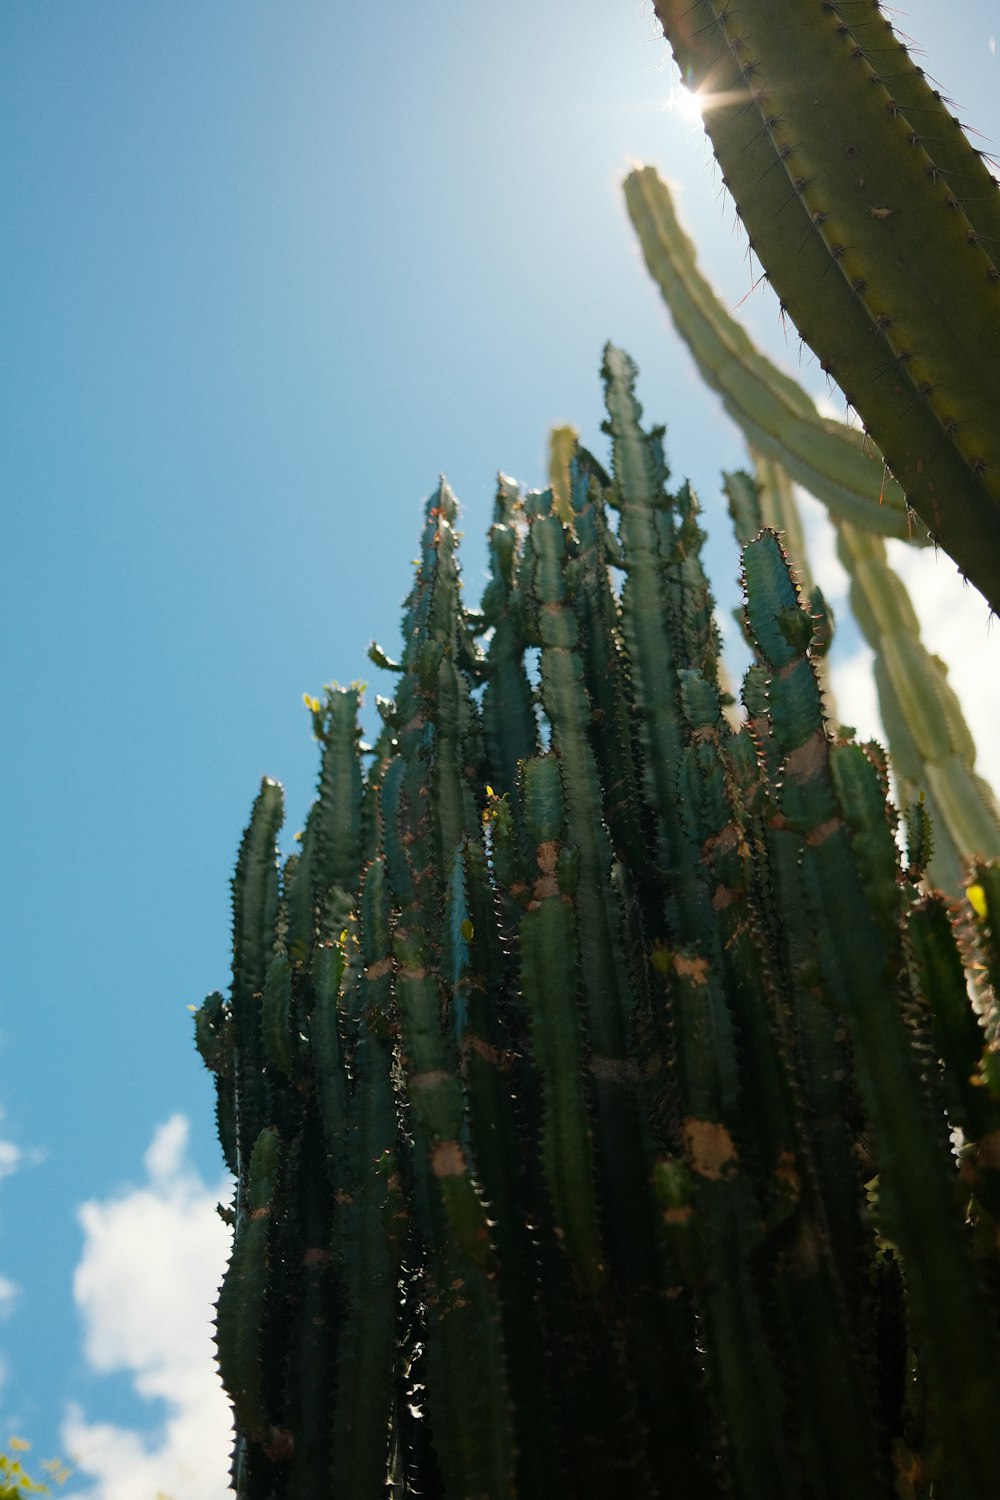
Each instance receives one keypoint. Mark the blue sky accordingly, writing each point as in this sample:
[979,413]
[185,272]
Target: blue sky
[267,269]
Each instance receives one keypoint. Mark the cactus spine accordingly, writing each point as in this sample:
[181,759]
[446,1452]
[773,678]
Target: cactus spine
[552,1058]
[877,224]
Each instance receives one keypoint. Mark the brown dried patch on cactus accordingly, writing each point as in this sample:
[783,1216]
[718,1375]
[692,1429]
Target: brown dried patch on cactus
[429,1080]
[690,967]
[448,1160]
[709,1146]
[822,831]
[807,760]
[547,883]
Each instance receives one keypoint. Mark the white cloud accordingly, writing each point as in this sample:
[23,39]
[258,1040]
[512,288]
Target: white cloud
[11,1157]
[853,685]
[955,625]
[146,1286]
[821,541]
[8,1291]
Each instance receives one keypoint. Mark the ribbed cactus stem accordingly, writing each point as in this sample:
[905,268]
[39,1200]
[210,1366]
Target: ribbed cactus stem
[562,447]
[832,796]
[831,460]
[372,1222]
[769,500]
[984,898]
[931,744]
[550,976]
[604,664]
[469,1400]
[585,1104]
[337,864]
[960,1043]
[585,875]
[315,1305]
[255,908]
[648,629]
[864,234]
[240,1329]
[509,726]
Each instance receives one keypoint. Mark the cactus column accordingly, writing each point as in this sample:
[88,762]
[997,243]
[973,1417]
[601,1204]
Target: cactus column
[551,1057]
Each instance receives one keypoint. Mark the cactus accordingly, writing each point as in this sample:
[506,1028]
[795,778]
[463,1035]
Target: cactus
[587,1075]
[932,750]
[877,224]
[831,460]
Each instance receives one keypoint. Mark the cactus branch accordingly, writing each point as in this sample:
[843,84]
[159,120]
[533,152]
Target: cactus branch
[864,234]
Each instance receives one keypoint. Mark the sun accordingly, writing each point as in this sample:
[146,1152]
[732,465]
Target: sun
[692,105]
[689,104]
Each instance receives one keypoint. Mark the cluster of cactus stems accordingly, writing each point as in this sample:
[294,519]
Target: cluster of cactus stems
[932,751]
[878,225]
[607,1106]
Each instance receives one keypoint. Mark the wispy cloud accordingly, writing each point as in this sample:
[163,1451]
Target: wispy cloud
[8,1291]
[146,1285]
[11,1157]
[955,624]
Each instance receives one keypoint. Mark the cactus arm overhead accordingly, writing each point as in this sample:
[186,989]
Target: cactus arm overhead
[931,744]
[866,238]
[829,459]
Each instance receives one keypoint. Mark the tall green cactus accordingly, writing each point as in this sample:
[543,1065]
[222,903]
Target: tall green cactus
[587,1076]
[932,749]
[878,225]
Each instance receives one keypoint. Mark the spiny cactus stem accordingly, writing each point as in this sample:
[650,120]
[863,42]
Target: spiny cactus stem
[832,461]
[820,159]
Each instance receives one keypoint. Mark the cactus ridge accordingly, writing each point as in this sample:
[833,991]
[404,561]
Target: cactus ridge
[589,1105]
[865,239]
[833,461]
[932,748]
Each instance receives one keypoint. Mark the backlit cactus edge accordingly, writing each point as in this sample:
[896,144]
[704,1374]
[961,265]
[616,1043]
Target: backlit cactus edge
[878,225]
[614,1108]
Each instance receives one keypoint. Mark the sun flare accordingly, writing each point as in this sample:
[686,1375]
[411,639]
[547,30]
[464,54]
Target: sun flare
[689,104]
[692,105]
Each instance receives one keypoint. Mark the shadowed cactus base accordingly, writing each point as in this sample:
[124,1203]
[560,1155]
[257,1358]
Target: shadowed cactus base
[588,1073]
